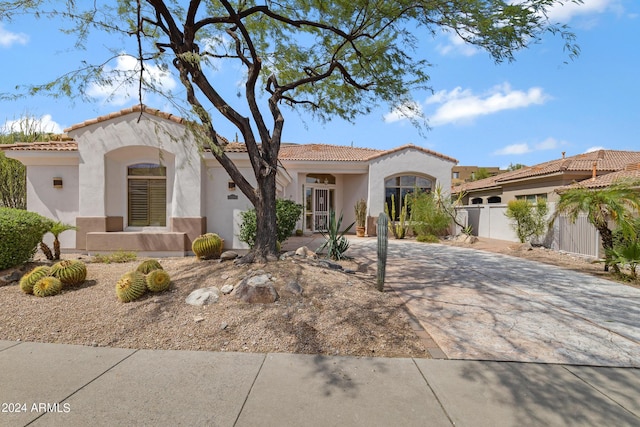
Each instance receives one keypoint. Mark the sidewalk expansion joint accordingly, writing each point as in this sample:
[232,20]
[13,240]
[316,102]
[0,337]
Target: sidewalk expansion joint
[433,392]
[250,389]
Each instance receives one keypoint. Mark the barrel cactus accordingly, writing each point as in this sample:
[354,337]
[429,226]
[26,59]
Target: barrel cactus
[208,245]
[148,266]
[69,271]
[47,286]
[158,281]
[131,286]
[30,279]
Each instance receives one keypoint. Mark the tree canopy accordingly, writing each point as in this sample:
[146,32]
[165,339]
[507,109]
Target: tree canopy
[331,59]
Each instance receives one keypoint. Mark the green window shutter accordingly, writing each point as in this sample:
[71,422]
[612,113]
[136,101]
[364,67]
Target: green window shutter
[147,202]
[158,202]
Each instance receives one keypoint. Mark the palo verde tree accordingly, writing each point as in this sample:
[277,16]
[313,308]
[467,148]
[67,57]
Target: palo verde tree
[330,59]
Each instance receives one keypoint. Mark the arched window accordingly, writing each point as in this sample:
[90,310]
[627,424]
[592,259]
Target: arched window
[400,186]
[477,201]
[494,199]
[147,195]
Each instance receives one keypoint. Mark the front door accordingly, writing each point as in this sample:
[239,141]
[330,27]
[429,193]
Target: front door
[321,206]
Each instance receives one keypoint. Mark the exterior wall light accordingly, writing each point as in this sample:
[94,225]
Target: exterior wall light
[57,182]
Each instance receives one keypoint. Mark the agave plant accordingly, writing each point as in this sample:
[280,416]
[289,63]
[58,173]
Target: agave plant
[336,243]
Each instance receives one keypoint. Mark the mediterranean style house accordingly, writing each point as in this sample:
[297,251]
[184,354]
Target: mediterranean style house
[137,180]
[543,181]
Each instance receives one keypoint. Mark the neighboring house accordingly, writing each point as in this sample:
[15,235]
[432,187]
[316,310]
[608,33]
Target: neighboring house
[461,174]
[540,181]
[136,180]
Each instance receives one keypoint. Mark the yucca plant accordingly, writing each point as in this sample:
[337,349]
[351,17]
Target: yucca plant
[336,243]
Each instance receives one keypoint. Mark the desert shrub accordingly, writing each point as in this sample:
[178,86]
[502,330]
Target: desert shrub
[529,220]
[287,214]
[335,243]
[427,217]
[115,257]
[20,233]
[626,247]
[428,238]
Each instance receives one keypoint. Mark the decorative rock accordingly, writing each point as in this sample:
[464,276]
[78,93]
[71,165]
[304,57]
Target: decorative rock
[203,296]
[226,289]
[12,277]
[224,326]
[228,255]
[330,264]
[256,290]
[305,252]
[465,238]
[198,319]
[294,288]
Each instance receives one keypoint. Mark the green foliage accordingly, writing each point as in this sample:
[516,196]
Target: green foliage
[626,247]
[158,280]
[20,233]
[56,228]
[398,227]
[47,286]
[118,257]
[131,286]
[335,243]
[513,167]
[428,216]
[287,214]
[70,272]
[615,204]
[361,213]
[148,266]
[207,246]
[428,238]
[31,278]
[481,173]
[529,220]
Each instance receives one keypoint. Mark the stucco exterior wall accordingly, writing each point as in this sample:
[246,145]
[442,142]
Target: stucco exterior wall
[405,162]
[60,204]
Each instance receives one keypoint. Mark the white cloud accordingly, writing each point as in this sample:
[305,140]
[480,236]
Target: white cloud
[122,86]
[409,110]
[596,148]
[44,123]
[524,148]
[461,105]
[456,45]
[568,10]
[8,39]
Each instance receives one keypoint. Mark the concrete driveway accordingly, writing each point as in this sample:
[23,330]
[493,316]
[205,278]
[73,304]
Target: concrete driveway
[485,306]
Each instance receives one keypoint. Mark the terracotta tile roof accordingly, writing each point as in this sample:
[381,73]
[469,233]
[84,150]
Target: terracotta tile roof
[42,146]
[606,161]
[135,109]
[606,180]
[490,182]
[325,152]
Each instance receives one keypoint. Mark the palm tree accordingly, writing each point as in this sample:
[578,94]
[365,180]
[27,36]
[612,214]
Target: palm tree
[56,229]
[614,204]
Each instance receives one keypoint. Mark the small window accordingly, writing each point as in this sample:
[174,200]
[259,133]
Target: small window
[400,186]
[532,198]
[320,178]
[477,201]
[494,199]
[147,195]
[456,175]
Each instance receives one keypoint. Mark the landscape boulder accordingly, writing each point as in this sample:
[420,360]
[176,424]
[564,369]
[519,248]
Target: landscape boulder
[204,296]
[256,290]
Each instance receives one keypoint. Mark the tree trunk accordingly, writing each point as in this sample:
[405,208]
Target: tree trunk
[265,247]
[607,244]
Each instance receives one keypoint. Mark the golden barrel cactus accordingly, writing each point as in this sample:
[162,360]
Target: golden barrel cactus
[131,286]
[207,246]
[69,271]
[30,279]
[148,266]
[158,281]
[47,286]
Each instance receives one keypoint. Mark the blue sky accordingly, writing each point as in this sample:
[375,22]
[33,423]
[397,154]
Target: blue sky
[480,113]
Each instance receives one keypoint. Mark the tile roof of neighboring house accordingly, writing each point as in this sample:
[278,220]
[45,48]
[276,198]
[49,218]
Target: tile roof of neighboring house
[42,146]
[606,161]
[632,173]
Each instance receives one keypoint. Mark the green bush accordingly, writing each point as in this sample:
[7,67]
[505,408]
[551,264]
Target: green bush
[287,214]
[117,257]
[529,220]
[20,233]
[427,217]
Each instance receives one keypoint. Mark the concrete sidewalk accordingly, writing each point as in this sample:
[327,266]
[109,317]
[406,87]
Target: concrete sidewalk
[66,385]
